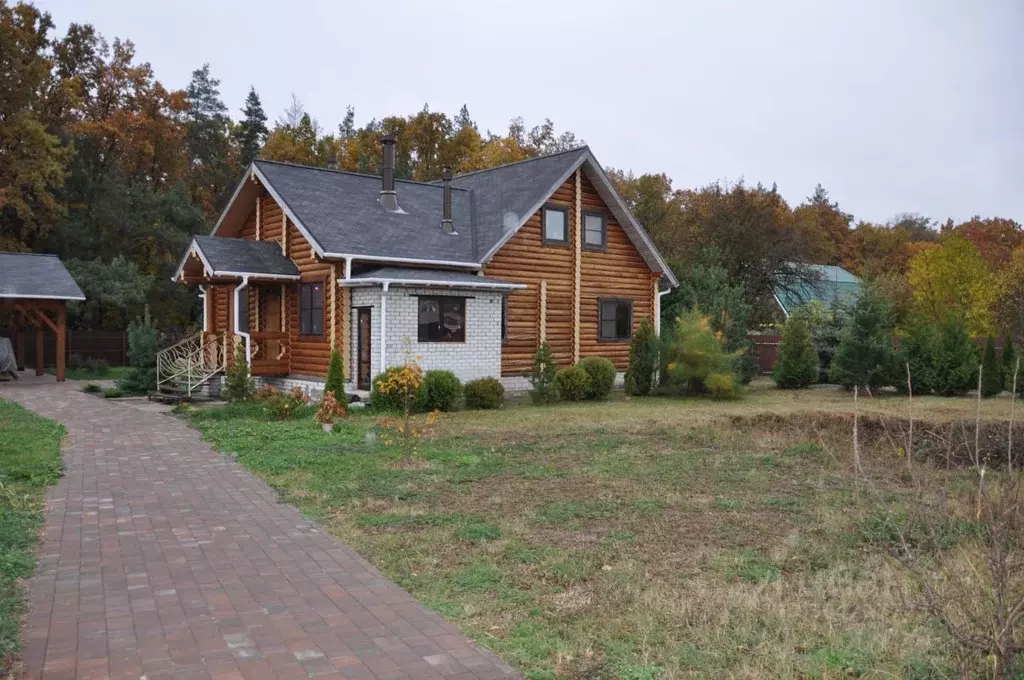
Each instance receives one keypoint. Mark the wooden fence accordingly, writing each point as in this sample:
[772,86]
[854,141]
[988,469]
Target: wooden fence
[109,345]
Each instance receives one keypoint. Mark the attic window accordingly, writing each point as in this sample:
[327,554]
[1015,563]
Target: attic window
[556,225]
[595,231]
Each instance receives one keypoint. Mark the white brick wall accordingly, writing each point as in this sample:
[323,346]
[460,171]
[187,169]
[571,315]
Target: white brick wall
[478,357]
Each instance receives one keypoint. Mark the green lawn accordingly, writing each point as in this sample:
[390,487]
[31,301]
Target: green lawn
[29,462]
[639,539]
[111,373]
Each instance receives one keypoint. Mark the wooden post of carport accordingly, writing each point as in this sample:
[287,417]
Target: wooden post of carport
[39,349]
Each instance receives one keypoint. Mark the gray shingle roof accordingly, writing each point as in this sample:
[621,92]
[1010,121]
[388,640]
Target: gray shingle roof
[340,211]
[244,256]
[410,276]
[34,275]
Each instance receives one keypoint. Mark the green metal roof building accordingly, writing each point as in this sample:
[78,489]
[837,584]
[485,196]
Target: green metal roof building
[836,285]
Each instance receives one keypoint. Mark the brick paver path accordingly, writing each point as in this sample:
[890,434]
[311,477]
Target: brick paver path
[165,559]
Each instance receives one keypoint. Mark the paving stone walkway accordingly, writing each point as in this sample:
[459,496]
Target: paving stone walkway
[164,559]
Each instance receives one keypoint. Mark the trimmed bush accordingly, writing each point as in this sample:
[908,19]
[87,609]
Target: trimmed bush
[573,383]
[391,401]
[238,384]
[602,376]
[335,382]
[798,361]
[643,359]
[485,393]
[542,378]
[992,370]
[441,391]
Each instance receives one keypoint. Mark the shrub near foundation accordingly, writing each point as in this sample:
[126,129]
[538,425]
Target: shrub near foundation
[573,383]
[602,376]
[485,393]
[441,391]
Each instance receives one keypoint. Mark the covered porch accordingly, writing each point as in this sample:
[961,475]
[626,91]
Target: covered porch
[34,292]
[245,286]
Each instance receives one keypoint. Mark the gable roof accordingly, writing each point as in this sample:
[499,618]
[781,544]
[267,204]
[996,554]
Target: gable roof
[835,286]
[239,256]
[38,276]
[339,214]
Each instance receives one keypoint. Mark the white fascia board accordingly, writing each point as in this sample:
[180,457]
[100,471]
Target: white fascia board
[257,275]
[355,283]
[401,260]
[15,296]
[193,248]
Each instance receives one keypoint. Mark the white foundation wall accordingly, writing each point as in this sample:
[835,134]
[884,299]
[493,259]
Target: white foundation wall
[478,357]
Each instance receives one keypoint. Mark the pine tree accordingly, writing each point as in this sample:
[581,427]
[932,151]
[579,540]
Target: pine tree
[643,359]
[1009,363]
[991,370]
[207,141]
[544,391]
[335,377]
[865,355]
[956,358]
[251,133]
[798,362]
[347,127]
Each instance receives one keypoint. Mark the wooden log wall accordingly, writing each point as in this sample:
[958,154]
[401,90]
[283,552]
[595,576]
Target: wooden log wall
[619,271]
[525,259]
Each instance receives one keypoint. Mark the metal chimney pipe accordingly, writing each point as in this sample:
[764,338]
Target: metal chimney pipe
[388,199]
[446,221]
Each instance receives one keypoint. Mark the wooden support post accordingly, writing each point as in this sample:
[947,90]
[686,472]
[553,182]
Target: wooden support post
[19,348]
[39,350]
[577,251]
[62,333]
[543,311]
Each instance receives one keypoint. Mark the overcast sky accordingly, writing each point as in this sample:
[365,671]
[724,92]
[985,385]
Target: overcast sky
[894,106]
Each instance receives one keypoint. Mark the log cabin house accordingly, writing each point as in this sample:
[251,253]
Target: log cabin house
[470,273]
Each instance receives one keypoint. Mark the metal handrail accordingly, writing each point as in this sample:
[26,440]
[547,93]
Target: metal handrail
[185,357]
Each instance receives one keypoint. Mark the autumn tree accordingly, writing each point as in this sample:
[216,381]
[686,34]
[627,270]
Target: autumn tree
[33,157]
[953,278]
[824,226]
[995,238]
[1009,306]
[250,134]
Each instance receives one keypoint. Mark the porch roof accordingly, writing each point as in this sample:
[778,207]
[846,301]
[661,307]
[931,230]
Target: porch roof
[237,257]
[407,276]
[36,276]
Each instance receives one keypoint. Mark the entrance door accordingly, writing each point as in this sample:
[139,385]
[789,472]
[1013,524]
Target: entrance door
[364,353]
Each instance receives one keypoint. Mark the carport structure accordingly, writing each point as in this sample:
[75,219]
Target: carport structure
[34,290]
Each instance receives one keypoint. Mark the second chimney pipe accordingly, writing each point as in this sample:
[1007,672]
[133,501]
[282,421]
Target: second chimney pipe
[446,221]
[387,174]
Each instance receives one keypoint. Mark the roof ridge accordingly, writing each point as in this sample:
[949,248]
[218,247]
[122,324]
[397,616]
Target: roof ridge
[14,252]
[348,172]
[525,160]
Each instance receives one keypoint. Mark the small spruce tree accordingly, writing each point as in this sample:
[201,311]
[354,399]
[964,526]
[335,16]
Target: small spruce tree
[643,360]
[1009,364]
[956,358]
[918,351]
[335,382]
[798,361]
[545,389]
[991,370]
[865,356]
[143,340]
[238,385]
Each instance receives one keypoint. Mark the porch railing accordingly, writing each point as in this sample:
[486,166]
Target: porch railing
[188,365]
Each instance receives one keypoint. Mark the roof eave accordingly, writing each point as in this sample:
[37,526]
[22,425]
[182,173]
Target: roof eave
[377,281]
[17,296]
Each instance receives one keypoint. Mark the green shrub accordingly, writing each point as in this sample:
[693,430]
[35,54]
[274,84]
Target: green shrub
[336,377]
[602,376]
[865,353]
[113,393]
[721,385]
[441,391]
[238,384]
[991,370]
[955,358]
[691,353]
[390,401]
[643,359]
[283,405]
[1009,364]
[798,362]
[140,377]
[573,383]
[485,393]
[97,366]
[92,388]
[917,350]
[542,378]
